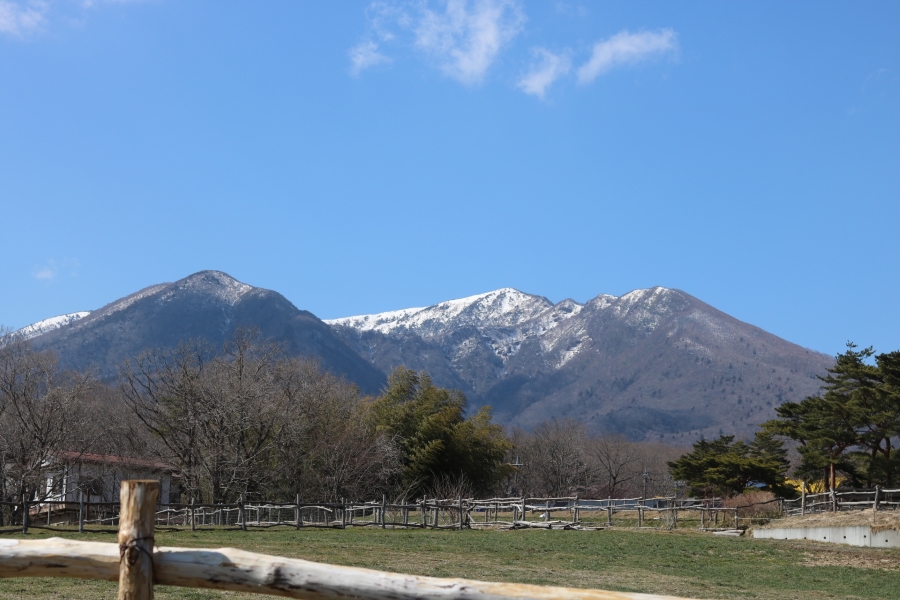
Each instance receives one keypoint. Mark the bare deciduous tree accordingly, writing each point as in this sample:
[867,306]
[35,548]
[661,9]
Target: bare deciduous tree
[44,412]
[554,457]
[251,422]
[164,390]
[327,450]
[615,461]
[561,458]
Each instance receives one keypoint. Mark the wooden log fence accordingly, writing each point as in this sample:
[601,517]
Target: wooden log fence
[434,513]
[138,565]
[830,501]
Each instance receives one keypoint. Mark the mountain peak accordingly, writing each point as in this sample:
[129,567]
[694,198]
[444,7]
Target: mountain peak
[215,283]
[498,308]
[208,306]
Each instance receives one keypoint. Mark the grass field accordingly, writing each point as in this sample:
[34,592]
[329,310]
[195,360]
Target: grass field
[682,563]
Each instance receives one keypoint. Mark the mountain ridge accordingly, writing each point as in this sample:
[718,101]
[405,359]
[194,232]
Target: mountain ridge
[208,305]
[558,361]
[653,363]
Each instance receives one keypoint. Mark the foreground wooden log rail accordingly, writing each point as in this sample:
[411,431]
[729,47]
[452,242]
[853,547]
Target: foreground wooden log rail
[236,570]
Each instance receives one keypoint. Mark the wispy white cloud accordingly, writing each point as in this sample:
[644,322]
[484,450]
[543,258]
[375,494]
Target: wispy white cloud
[463,37]
[626,48]
[572,9]
[45,273]
[466,37]
[547,68]
[873,77]
[365,55]
[21,18]
[53,268]
[93,3]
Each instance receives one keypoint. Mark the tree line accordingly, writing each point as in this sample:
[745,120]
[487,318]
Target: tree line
[246,420]
[847,433]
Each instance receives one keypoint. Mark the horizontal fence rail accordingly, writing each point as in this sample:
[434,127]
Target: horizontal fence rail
[455,513]
[834,501]
[239,571]
[139,565]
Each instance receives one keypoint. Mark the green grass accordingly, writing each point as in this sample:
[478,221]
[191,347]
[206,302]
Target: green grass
[682,563]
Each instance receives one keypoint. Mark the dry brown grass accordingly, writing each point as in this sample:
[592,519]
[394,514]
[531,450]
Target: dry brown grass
[681,562]
[878,521]
[821,558]
[750,505]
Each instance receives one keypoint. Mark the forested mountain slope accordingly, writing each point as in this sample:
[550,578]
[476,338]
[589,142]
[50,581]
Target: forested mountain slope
[652,364]
[208,305]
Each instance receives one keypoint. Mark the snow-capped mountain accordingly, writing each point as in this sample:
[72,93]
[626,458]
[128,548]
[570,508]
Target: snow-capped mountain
[501,308]
[209,306]
[650,363]
[506,318]
[47,325]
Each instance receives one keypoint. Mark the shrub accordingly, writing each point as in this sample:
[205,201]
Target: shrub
[750,505]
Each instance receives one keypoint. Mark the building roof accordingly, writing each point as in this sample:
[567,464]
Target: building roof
[111,459]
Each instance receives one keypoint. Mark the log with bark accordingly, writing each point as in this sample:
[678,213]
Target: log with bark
[236,570]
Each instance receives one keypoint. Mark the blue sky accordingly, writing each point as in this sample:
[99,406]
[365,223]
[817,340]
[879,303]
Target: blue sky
[367,156]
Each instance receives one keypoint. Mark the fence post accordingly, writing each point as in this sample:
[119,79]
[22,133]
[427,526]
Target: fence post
[735,518]
[299,513]
[877,498]
[424,512]
[575,510]
[383,508]
[193,516]
[460,514]
[24,514]
[547,511]
[242,514]
[137,513]
[80,511]
[833,500]
[802,498]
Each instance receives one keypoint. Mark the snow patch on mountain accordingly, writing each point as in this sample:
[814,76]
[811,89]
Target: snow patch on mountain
[129,300]
[507,341]
[51,324]
[216,284]
[382,322]
[224,286]
[501,308]
[571,352]
[506,319]
[643,309]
